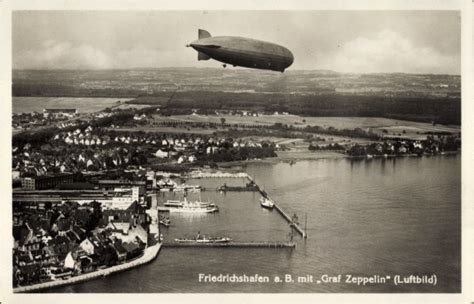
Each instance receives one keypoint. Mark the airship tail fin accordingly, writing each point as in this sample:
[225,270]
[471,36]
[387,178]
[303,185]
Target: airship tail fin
[203,34]
[202,56]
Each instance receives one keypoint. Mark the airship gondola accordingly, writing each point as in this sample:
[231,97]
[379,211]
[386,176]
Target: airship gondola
[243,52]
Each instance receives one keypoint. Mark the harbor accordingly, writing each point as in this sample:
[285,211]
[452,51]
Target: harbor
[243,184]
[327,193]
[250,186]
[176,210]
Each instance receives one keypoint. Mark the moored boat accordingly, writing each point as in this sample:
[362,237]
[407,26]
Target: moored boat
[204,239]
[165,221]
[266,203]
[185,187]
[186,206]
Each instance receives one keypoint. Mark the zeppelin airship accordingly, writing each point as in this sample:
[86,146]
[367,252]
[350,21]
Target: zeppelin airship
[243,52]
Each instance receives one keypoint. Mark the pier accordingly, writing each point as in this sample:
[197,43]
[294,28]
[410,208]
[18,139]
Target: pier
[233,245]
[290,220]
[292,223]
[219,174]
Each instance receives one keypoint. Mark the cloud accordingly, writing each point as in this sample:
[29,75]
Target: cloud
[389,52]
[141,56]
[62,55]
[385,52]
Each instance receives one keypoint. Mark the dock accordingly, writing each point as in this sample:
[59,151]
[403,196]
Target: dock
[290,221]
[233,245]
[218,174]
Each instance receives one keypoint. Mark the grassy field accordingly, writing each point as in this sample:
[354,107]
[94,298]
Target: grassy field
[305,155]
[82,104]
[152,129]
[376,124]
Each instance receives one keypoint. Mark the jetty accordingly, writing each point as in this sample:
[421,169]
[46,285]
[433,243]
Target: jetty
[250,186]
[218,174]
[233,245]
[291,220]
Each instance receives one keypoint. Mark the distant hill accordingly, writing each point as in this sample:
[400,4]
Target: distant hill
[147,81]
[311,92]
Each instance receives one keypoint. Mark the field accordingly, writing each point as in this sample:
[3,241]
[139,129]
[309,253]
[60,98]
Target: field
[376,124]
[82,104]
[152,129]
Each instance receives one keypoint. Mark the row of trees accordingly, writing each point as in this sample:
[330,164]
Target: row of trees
[445,110]
[290,131]
[236,154]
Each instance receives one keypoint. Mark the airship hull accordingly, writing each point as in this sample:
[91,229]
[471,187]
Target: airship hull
[245,52]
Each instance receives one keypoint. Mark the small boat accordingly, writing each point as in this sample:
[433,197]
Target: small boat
[165,221]
[166,185]
[185,187]
[266,203]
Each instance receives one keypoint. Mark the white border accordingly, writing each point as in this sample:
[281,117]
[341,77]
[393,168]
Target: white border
[6,6]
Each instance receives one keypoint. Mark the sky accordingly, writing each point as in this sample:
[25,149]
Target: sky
[424,42]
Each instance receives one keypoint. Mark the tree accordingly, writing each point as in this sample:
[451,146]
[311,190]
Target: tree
[222,121]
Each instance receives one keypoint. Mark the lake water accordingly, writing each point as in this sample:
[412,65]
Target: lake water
[377,217]
[82,104]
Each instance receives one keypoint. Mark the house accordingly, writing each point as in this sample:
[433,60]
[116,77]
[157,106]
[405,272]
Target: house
[161,154]
[120,250]
[87,246]
[132,248]
[119,227]
[69,261]
[60,246]
[59,113]
[86,263]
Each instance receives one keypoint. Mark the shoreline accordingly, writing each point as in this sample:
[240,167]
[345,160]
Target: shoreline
[293,157]
[149,254]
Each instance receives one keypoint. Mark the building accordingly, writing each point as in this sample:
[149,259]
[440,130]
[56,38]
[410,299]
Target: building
[114,184]
[118,198]
[45,181]
[59,113]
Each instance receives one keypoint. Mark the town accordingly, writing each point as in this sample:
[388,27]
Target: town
[55,240]
[83,183]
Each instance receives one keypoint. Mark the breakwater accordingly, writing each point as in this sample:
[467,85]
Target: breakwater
[293,224]
[233,244]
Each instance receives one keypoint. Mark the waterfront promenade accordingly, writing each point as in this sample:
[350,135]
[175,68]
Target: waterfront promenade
[149,254]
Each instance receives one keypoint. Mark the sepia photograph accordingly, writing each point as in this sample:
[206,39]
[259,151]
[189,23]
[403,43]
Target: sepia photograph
[262,151]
